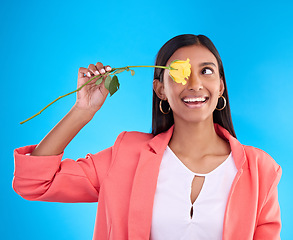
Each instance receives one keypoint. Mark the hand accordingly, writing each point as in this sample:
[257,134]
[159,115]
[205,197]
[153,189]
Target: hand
[91,97]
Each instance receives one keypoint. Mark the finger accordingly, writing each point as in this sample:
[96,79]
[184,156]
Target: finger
[108,68]
[93,70]
[100,67]
[82,72]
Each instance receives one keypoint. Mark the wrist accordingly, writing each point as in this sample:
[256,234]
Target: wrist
[84,115]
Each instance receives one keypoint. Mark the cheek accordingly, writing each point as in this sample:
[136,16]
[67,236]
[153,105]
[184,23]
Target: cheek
[214,86]
[172,89]
[168,83]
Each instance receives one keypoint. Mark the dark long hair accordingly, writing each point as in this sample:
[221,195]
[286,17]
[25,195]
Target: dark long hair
[162,122]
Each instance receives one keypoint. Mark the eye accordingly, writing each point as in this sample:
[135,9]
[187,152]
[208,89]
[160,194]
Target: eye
[207,71]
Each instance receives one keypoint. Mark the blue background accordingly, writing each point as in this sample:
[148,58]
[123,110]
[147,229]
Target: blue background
[44,43]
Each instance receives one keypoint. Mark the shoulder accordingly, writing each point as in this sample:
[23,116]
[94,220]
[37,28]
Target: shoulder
[262,163]
[133,139]
[128,145]
[260,157]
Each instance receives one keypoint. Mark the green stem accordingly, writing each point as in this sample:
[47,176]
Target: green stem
[98,76]
[164,67]
[78,89]
[150,66]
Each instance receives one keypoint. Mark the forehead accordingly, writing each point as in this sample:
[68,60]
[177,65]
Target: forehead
[196,53]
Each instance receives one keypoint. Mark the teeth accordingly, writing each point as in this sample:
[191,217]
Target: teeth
[199,99]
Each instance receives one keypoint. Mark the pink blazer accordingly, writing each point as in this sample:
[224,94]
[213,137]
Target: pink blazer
[123,180]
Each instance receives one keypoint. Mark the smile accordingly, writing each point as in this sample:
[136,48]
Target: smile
[195,102]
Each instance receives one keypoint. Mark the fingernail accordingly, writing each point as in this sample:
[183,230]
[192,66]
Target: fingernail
[88,74]
[97,73]
[102,71]
[108,69]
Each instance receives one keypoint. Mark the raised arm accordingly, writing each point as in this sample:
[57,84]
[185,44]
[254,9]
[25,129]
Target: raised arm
[41,174]
[89,100]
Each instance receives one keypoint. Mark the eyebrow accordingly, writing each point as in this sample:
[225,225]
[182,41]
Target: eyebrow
[207,63]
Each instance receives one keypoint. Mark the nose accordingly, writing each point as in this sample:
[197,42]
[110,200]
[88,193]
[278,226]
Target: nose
[194,82]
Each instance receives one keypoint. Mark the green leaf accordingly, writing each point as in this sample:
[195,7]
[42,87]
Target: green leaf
[119,71]
[107,82]
[132,72]
[99,81]
[114,85]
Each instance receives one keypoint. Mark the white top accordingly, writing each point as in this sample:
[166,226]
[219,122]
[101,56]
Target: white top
[172,204]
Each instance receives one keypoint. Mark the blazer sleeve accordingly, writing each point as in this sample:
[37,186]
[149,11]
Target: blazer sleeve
[269,221]
[48,178]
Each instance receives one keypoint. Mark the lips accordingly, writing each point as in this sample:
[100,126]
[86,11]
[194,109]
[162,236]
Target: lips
[195,102]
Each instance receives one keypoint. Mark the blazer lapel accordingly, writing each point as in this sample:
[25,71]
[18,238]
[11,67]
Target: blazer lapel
[144,186]
[234,215]
[236,147]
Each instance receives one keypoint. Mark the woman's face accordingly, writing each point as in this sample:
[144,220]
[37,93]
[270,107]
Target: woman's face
[195,101]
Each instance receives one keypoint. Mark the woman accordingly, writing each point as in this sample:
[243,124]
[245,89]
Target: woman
[189,179]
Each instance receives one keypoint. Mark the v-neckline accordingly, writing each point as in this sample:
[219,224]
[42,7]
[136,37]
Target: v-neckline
[199,174]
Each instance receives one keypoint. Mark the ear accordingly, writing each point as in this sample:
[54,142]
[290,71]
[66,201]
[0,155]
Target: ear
[222,86]
[159,89]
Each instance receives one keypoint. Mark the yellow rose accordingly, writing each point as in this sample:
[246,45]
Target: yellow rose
[180,71]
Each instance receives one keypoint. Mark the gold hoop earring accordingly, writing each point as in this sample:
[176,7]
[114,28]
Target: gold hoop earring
[161,109]
[225,102]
